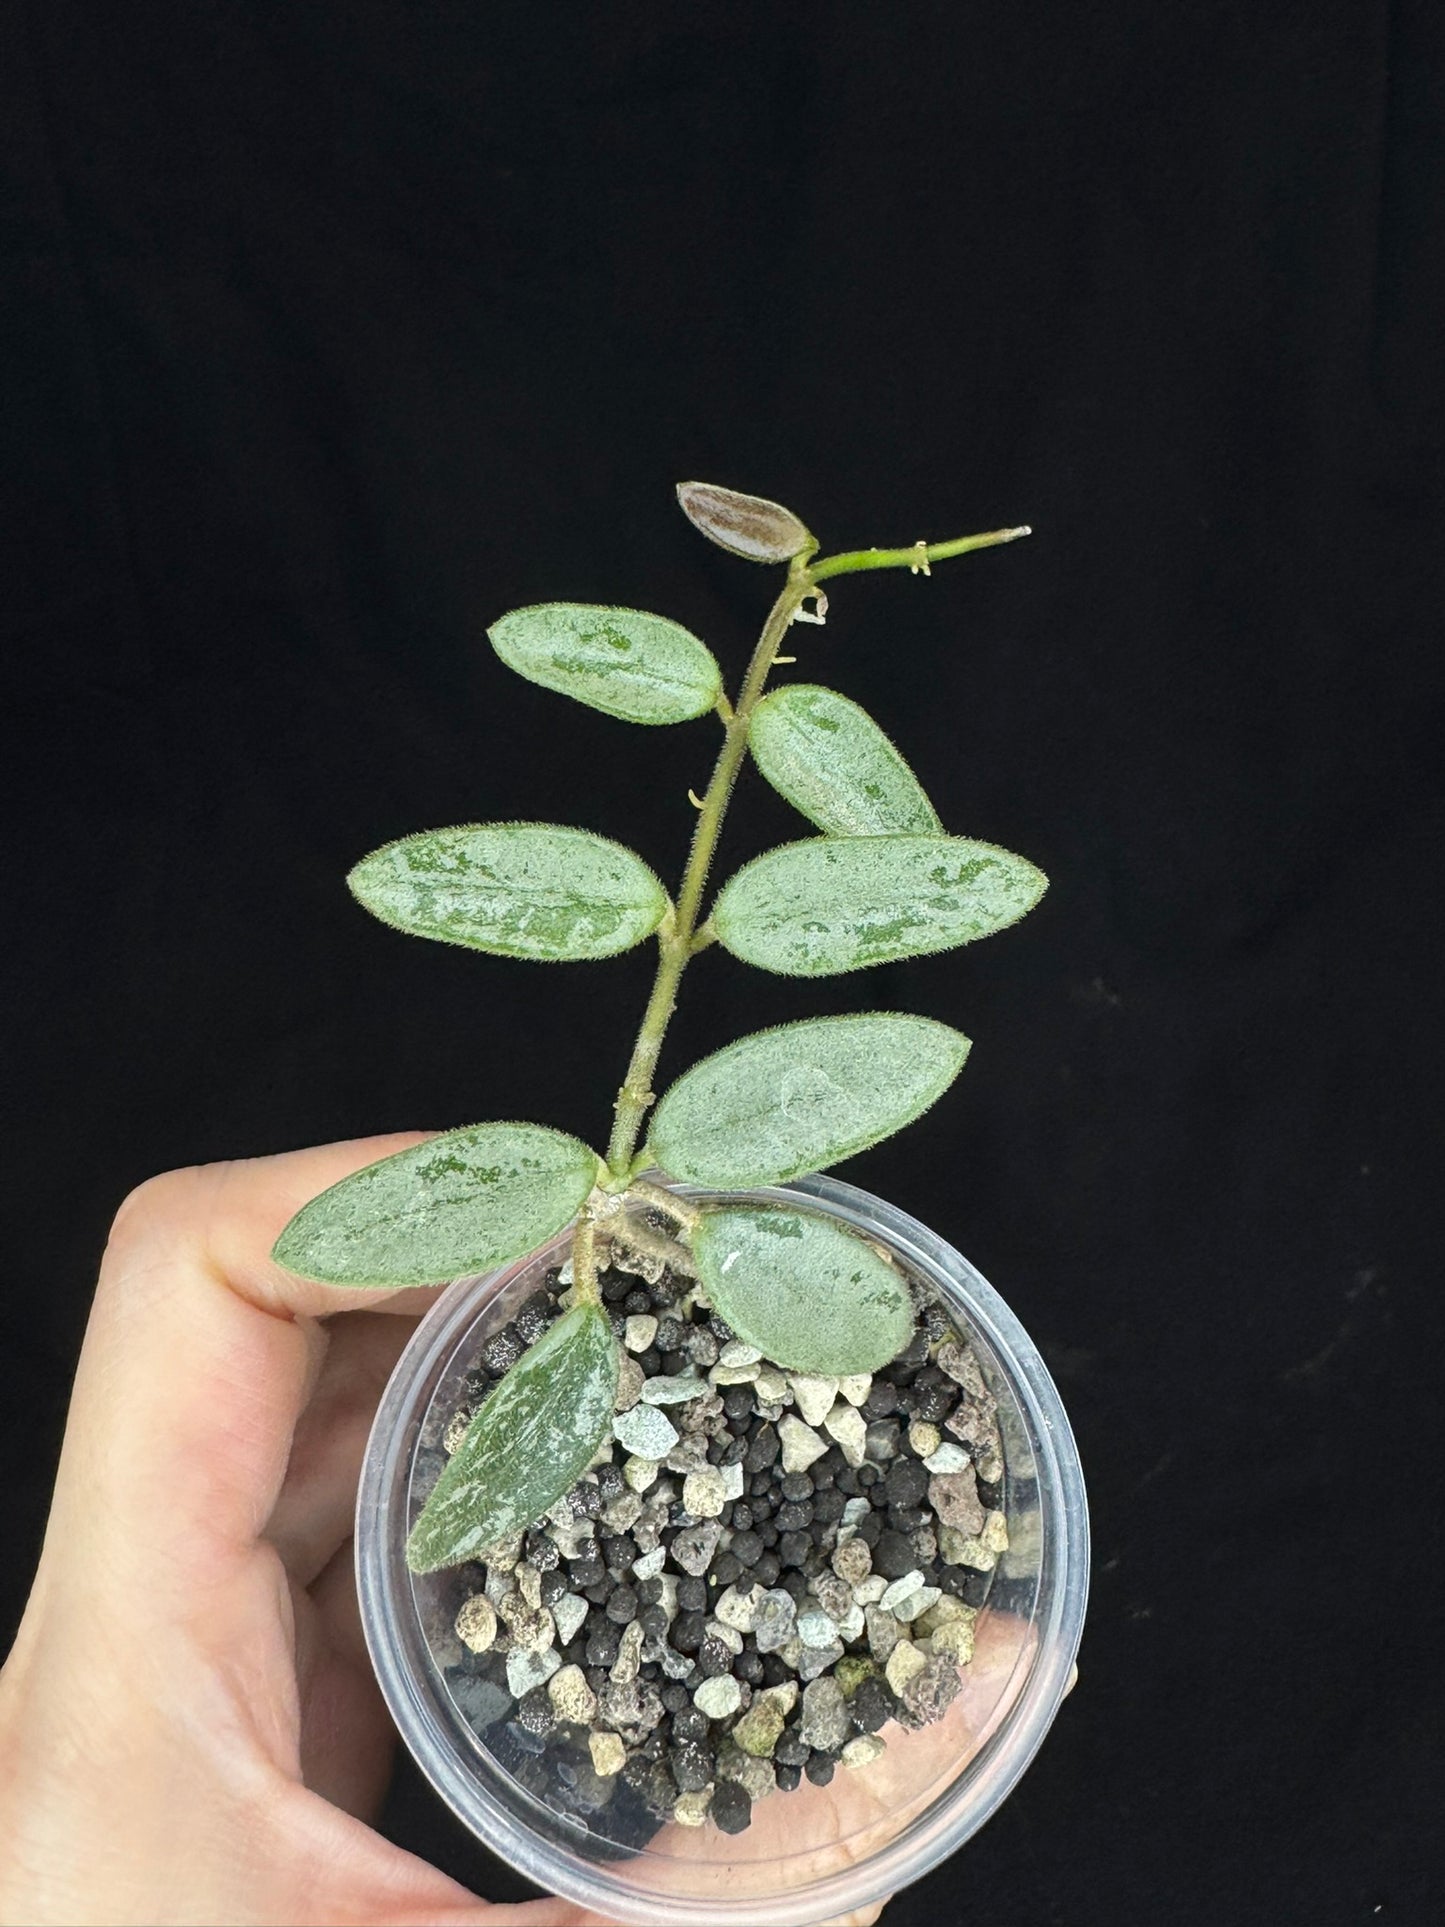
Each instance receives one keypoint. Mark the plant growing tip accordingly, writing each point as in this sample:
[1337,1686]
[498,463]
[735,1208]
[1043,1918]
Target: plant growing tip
[882,881]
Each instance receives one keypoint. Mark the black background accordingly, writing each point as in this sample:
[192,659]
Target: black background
[331,332]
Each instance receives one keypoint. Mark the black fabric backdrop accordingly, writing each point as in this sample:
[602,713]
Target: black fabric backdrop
[331,332]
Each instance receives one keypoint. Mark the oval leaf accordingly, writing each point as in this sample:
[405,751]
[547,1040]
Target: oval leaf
[531,1441]
[808,1294]
[833,904]
[800,1097]
[833,763]
[458,1204]
[746,525]
[534,890]
[624,662]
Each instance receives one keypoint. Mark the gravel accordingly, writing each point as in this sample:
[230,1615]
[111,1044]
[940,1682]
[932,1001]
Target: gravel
[765,1576]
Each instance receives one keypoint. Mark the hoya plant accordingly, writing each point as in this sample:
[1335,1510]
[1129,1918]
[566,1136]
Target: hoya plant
[880,880]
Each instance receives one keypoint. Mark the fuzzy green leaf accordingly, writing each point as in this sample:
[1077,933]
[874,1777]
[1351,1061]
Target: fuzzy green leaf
[624,662]
[458,1204]
[534,890]
[833,763]
[808,1294]
[746,525]
[802,1097]
[834,904]
[533,1438]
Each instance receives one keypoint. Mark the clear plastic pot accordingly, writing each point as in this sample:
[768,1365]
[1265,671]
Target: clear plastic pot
[816,1851]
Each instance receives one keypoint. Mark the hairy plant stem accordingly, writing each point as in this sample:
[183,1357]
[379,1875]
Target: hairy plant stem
[675,939]
[679,937]
[917,558]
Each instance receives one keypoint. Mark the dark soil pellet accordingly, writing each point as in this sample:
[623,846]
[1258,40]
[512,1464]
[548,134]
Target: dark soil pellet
[819,1768]
[554,1584]
[603,1644]
[691,1765]
[906,1482]
[776,1670]
[731,1808]
[881,1400]
[692,1594]
[687,1631]
[892,1556]
[872,1705]
[534,1317]
[828,1506]
[501,1353]
[690,1724]
[534,1712]
[713,1658]
[788,1777]
[622,1606]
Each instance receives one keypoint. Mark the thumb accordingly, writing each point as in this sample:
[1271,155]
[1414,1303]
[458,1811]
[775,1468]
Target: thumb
[199,1355]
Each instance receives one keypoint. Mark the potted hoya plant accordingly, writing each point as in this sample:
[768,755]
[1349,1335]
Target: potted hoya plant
[721,1541]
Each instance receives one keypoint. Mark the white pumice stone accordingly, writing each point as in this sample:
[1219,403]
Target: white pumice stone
[476,1623]
[801,1444]
[814,1396]
[640,1473]
[847,1427]
[901,1589]
[639,1332]
[646,1431]
[719,1698]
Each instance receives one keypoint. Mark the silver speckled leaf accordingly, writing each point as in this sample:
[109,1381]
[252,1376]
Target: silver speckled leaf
[533,1438]
[458,1204]
[801,1097]
[746,525]
[624,662]
[808,1294]
[834,904]
[833,763]
[535,890]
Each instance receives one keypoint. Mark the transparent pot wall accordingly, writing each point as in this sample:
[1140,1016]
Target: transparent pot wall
[815,1851]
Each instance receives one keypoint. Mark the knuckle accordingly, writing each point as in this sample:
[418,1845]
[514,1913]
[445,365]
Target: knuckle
[154,1202]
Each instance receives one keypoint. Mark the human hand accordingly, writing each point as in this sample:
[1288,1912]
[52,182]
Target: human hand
[190,1731]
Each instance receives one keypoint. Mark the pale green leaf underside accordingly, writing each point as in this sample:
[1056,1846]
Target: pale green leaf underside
[834,764]
[535,890]
[533,1438]
[809,1295]
[624,662]
[834,904]
[458,1204]
[746,525]
[799,1098]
